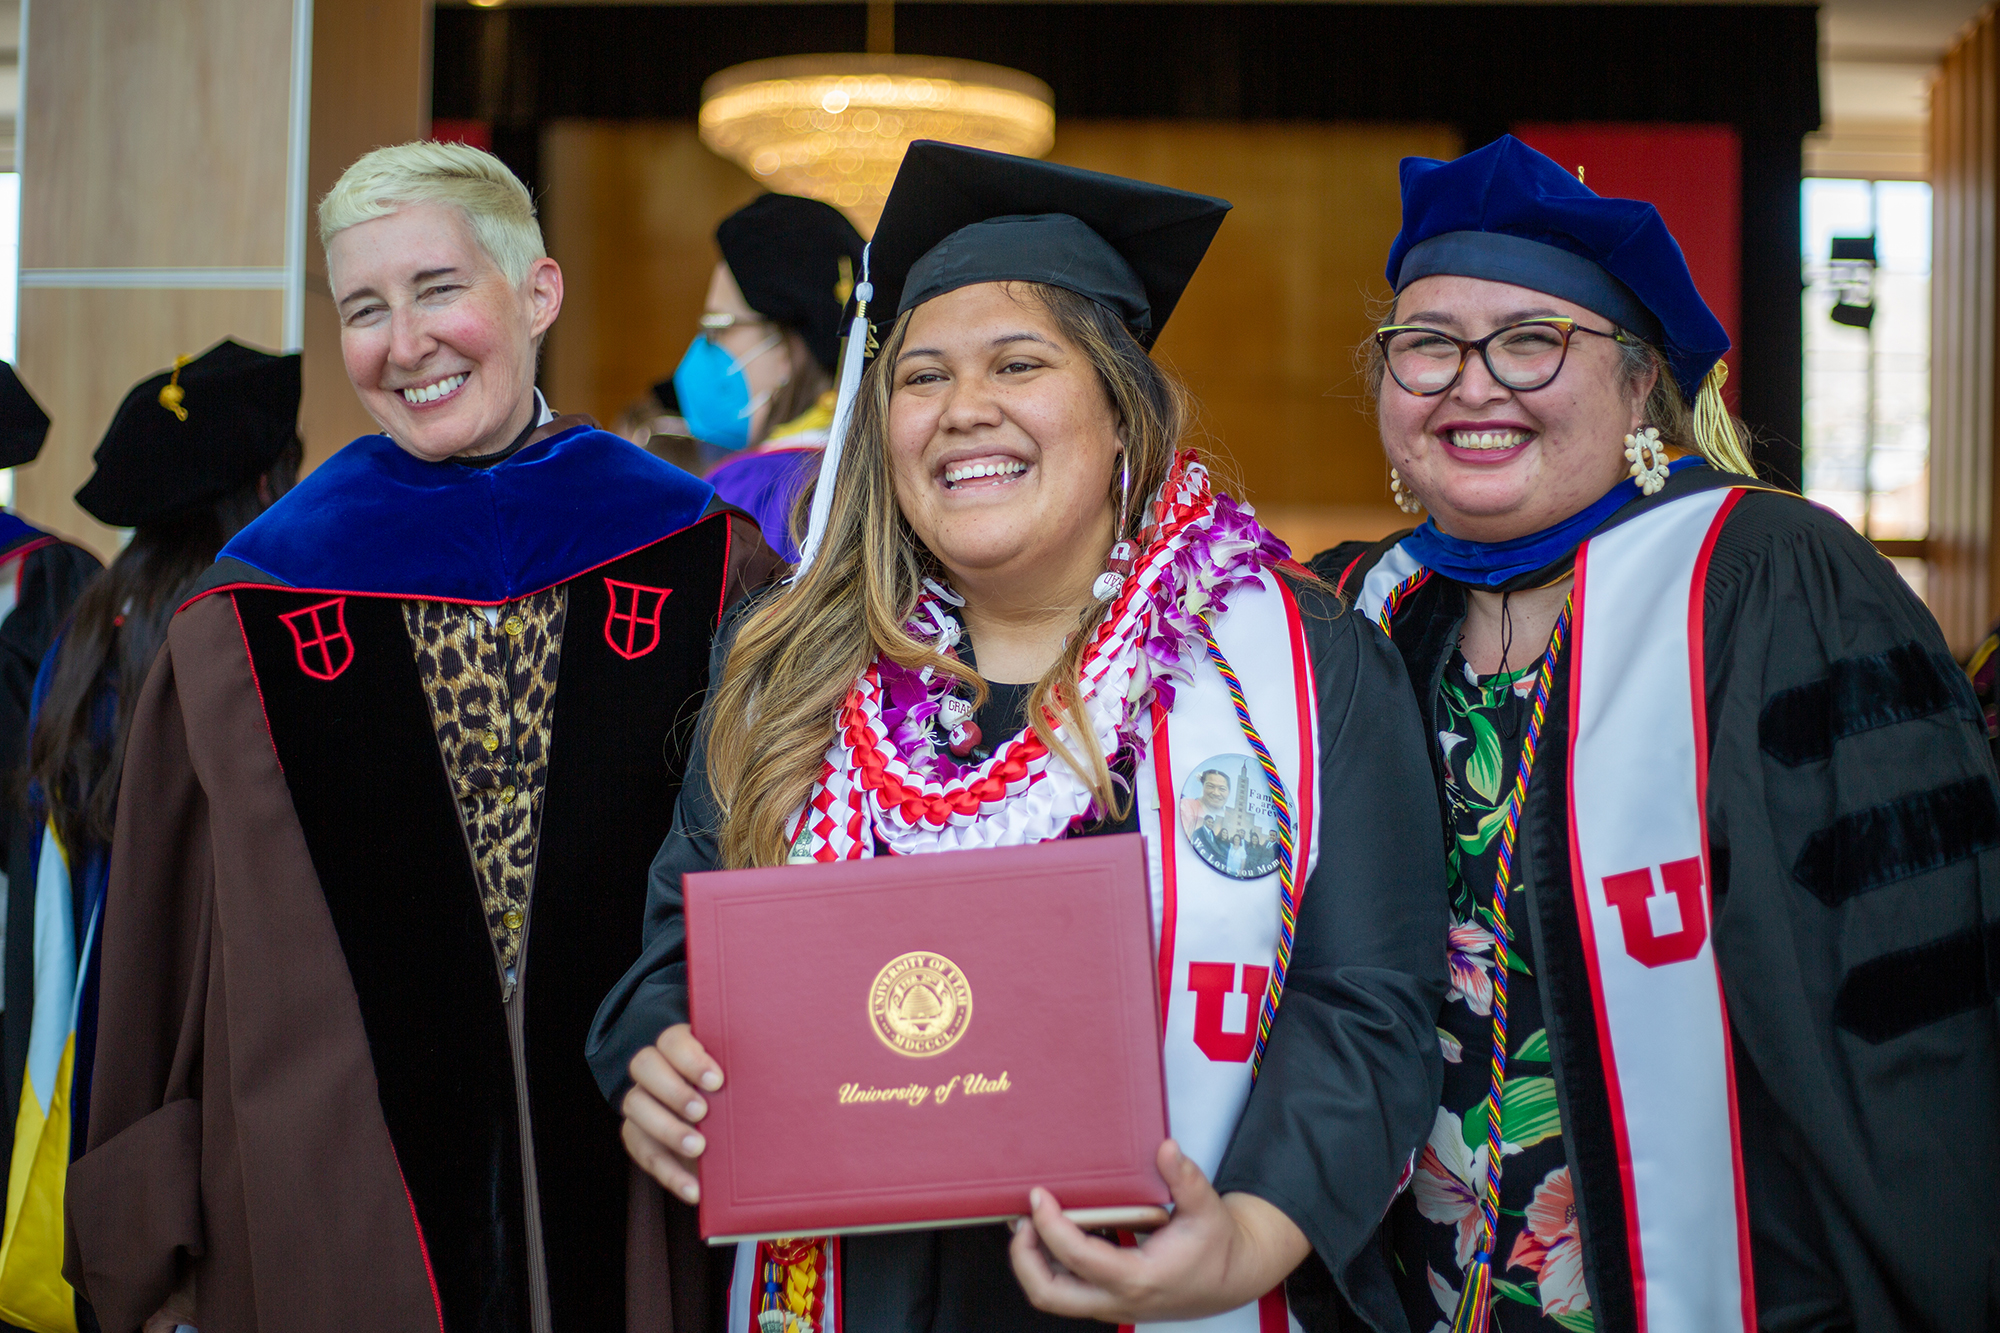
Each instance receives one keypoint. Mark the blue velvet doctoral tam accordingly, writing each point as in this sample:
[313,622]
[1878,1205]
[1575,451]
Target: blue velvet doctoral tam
[375,520]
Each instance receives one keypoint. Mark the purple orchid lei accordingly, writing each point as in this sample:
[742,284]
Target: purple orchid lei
[1208,562]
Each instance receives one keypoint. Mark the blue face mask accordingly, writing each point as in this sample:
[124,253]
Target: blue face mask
[714,397]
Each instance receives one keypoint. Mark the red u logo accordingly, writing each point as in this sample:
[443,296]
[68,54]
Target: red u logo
[1631,893]
[1211,983]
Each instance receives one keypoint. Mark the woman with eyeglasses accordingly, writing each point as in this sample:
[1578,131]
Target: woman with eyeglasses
[1721,1043]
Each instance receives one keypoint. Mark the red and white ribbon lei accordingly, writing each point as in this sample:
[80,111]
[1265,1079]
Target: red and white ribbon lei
[1200,548]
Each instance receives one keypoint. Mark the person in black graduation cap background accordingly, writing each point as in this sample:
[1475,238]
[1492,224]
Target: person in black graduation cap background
[1724,1028]
[192,456]
[1014,525]
[757,381]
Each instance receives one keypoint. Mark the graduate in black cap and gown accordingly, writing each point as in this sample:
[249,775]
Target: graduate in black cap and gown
[388,800]
[1016,487]
[1723,1037]
[758,379]
[193,455]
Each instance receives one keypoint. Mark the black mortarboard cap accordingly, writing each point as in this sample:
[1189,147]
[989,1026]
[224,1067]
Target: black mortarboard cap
[193,434]
[796,261]
[958,216]
[23,424]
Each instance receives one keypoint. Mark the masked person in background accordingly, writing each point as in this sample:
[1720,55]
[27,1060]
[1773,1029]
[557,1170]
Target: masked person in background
[389,799]
[758,379]
[194,454]
[1723,1033]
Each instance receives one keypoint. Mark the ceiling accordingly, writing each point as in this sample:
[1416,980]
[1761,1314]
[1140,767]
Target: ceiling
[1876,60]
[1878,54]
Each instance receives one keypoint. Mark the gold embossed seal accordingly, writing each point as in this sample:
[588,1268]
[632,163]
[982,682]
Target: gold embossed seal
[920,1004]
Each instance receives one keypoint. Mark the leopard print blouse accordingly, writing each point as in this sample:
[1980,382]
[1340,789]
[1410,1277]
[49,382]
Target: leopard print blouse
[490,681]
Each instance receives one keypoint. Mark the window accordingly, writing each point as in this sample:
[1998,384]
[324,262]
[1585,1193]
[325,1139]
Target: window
[10,268]
[1867,358]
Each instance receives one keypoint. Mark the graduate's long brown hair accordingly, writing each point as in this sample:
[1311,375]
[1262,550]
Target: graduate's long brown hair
[772,717]
[118,623]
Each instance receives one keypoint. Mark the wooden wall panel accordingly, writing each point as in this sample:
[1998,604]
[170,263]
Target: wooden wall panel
[629,211]
[1965,166]
[154,135]
[128,336]
[155,139]
[160,138]
[1267,332]
[370,87]
[1265,336]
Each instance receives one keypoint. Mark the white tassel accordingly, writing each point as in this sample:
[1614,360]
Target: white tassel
[851,359]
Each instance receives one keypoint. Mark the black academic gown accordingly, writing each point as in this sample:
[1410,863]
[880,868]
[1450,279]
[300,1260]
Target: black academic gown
[1855,839]
[1350,1078]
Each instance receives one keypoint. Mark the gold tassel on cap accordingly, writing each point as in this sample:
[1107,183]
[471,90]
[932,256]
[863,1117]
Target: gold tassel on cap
[1714,433]
[172,393]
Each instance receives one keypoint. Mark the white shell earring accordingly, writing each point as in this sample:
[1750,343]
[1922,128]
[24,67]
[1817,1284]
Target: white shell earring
[1405,501]
[1118,564]
[1648,458]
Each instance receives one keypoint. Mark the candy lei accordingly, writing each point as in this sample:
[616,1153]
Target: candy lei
[885,777]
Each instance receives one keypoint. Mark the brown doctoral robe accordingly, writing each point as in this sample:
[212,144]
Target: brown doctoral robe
[238,1141]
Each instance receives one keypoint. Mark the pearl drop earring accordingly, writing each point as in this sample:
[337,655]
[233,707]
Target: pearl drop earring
[1405,500]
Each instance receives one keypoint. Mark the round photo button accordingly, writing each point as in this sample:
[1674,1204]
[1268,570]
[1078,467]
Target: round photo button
[1226,815]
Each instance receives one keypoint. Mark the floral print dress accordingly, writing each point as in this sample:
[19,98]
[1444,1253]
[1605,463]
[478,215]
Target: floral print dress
[1434,1227]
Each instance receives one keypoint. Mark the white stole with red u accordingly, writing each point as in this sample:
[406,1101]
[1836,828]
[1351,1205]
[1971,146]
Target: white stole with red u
[1639,865]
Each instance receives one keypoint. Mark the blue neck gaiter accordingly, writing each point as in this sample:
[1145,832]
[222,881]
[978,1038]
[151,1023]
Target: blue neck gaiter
[1490,564]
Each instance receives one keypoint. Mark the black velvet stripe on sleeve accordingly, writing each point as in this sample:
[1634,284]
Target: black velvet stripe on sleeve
[1898,993]
[1926,831]
[1859,694]
[1855,797]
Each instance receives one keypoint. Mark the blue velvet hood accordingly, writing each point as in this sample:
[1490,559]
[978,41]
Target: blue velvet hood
[374,520]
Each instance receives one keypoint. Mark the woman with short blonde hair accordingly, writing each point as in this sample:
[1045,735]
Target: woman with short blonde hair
[491,198]
[398,774]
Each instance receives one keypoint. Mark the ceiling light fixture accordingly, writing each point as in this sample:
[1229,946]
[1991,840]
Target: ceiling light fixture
[834,127]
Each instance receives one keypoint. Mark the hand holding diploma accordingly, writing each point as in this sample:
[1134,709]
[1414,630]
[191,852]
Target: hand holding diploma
[1217,1253]
[664,1106]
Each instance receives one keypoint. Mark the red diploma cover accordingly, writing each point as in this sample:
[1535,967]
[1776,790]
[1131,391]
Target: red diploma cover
[915,1041]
